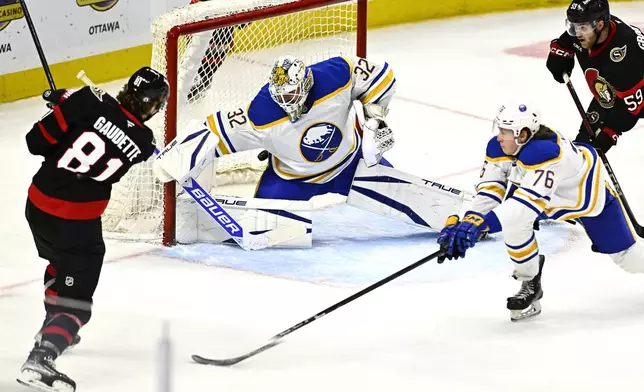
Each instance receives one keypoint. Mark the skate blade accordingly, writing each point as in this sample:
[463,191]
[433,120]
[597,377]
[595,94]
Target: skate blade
[531,311]
[31,381]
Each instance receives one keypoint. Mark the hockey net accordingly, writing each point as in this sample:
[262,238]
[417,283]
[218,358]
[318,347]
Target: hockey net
[216,55]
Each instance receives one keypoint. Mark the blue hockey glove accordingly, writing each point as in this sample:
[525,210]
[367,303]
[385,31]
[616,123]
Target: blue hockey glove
[468,232]
[444,239]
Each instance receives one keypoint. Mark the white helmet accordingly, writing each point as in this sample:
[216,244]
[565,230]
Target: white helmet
[516,116]
[289,85]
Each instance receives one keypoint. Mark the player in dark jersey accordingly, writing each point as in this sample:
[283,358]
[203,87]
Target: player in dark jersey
[89,140]
[221,43]
[611,55]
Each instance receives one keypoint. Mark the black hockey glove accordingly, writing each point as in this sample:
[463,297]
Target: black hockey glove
[560,60]
[55,97]
[604,139]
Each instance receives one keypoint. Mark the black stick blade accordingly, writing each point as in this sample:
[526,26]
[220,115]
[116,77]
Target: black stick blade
[233,361]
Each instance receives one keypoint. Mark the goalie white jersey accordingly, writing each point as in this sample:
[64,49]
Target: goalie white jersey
[326,139]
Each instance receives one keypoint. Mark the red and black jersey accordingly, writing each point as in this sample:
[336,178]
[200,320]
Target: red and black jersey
[614,71]
[89,141]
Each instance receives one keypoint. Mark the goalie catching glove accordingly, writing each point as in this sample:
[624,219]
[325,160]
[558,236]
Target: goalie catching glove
[377,138]
[186,157]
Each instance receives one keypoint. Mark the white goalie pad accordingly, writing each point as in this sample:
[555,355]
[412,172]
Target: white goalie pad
[186,156]
[405,197]
[256,216]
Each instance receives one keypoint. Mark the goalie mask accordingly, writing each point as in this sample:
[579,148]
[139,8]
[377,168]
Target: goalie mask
[289,85]
[517,116]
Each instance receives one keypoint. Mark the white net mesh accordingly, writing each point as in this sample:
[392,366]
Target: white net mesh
[223,68]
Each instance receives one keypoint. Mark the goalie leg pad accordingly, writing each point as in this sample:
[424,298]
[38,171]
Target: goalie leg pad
[255,215]
[401,196]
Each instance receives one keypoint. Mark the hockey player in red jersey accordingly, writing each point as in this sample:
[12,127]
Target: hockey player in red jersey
[89,140]
[611,54]
[220,44]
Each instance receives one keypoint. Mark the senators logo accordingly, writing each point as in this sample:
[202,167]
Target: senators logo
[98,5]
[618,54]
[593,117]
[603,91]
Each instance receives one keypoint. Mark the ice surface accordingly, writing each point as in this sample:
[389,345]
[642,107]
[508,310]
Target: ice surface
[441,327]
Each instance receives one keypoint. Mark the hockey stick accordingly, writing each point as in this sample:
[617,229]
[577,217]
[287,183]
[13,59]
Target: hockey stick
[246,240]
[41,54]
[638,229]
[275,340]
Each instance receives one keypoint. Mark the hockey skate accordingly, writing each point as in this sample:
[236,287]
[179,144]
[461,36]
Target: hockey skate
[525,303]
[39,373]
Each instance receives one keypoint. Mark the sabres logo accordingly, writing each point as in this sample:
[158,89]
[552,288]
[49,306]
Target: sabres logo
[603,91]
[280,76]
[320,141]
[9,10]
[98,5]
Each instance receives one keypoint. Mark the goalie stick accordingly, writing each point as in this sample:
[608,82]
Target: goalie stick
[277,339]
[246,240]
[638,229]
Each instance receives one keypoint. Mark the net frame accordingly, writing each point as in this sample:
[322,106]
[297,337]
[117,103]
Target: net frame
[173,37]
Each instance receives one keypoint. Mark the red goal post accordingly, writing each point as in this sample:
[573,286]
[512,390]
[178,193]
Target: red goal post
[222,50]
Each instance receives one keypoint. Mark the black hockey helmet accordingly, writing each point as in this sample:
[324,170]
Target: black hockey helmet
[145,93]
[588,11]
[149,85]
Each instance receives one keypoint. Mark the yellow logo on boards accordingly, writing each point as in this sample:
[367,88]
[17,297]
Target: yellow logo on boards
[98,5]
[9,10]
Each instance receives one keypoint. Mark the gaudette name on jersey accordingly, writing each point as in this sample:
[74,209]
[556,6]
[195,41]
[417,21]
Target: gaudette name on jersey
[118,137]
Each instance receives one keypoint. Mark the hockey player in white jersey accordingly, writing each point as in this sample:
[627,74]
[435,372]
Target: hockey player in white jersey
[318,123]
[532,172]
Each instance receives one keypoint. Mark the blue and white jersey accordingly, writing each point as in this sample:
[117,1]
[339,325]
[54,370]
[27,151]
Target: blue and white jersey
[318,146]
[553,178]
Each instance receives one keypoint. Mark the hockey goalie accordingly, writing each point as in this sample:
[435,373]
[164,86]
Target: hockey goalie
[324,128]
